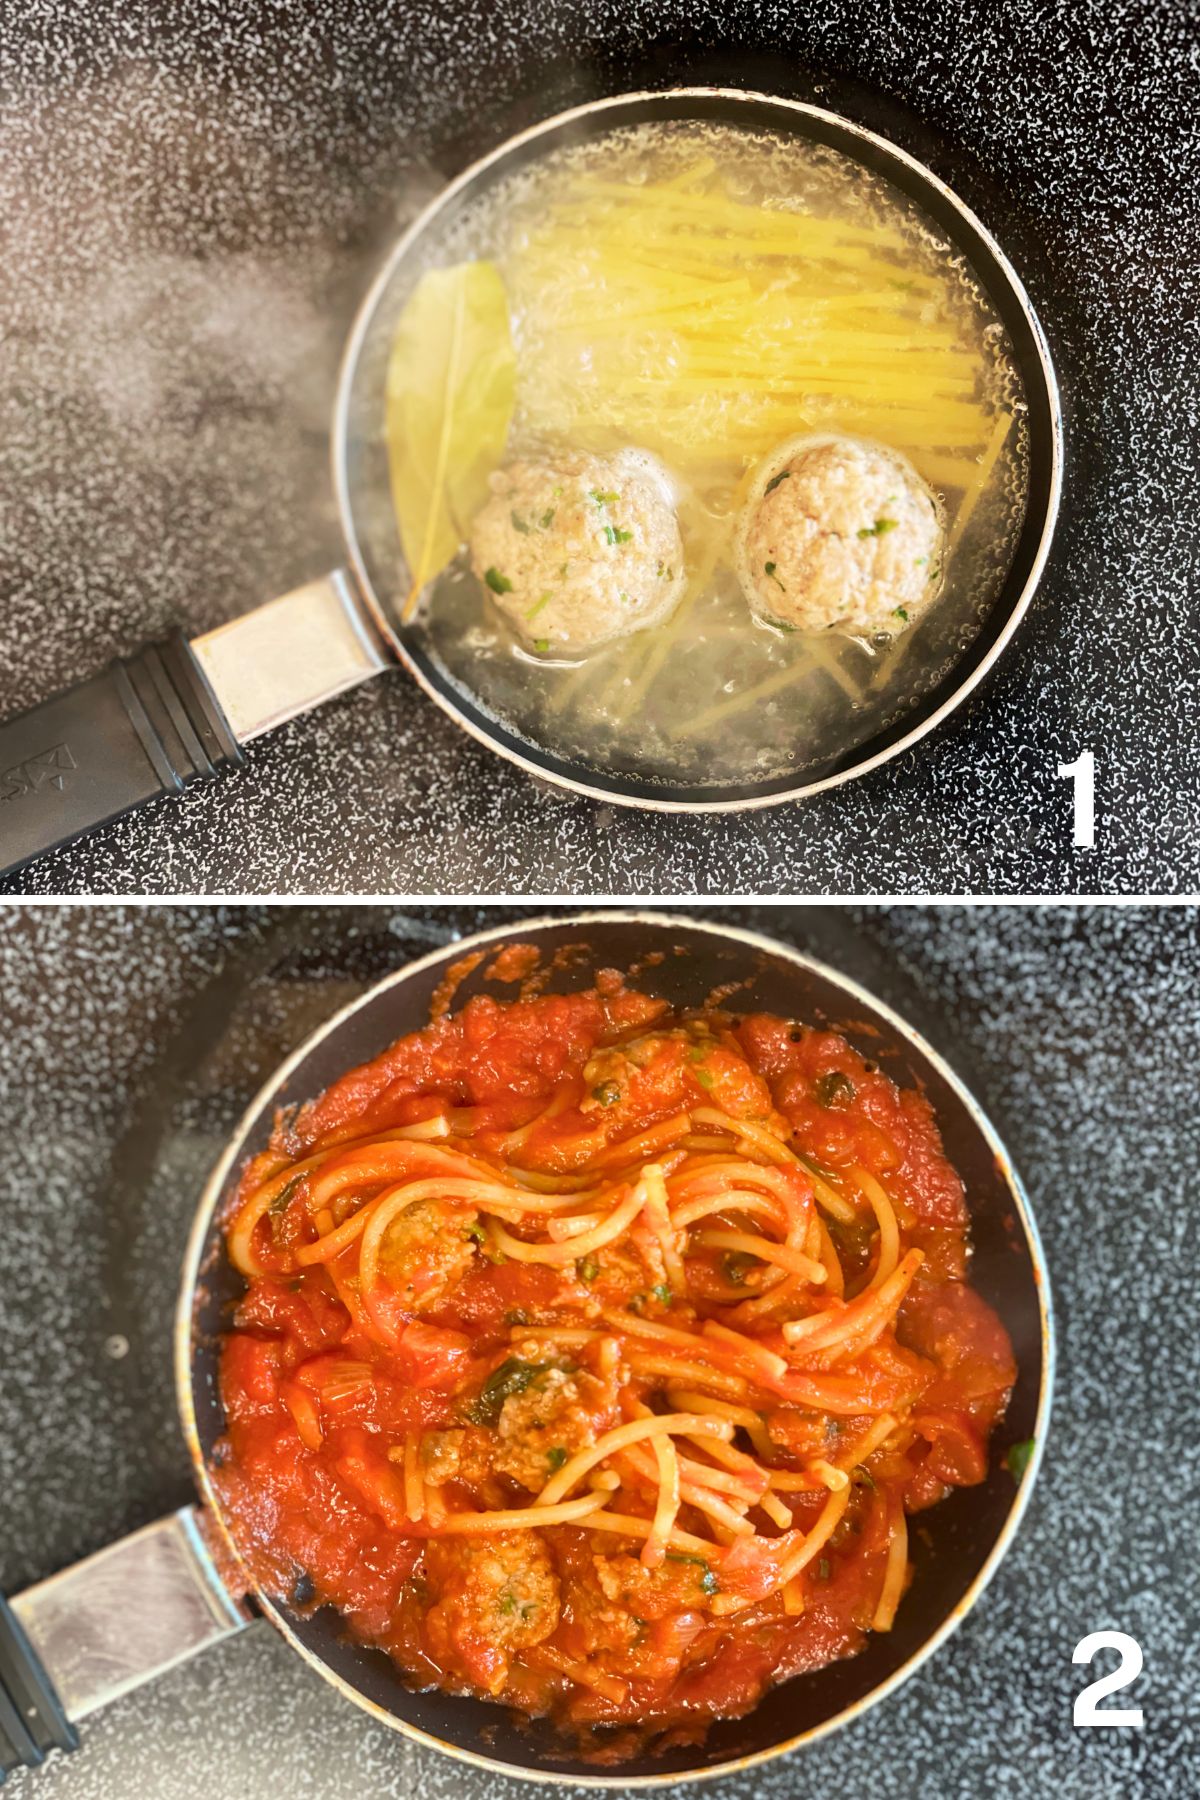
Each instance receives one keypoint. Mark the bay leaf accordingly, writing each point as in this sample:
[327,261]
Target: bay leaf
[451,381]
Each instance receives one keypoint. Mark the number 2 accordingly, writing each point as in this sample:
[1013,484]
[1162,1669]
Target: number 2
[1083,773]
[1127,1670]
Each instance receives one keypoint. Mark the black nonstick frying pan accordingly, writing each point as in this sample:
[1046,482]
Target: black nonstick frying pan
[92,1632]
[176,712]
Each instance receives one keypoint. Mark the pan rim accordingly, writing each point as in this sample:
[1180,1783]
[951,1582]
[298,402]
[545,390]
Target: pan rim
[495,741]
[199,1237]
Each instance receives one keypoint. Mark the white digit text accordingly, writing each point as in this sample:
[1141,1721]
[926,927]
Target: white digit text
[1083,773]
[1087,1712]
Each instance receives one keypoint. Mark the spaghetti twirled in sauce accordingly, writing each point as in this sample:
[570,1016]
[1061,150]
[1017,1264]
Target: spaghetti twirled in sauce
[593,1358]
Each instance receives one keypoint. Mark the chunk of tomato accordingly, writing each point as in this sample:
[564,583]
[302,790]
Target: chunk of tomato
[250,1374]
[957,1452]
[432,1357]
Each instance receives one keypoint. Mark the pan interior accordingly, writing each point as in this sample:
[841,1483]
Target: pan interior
[957,1539]
[591,724]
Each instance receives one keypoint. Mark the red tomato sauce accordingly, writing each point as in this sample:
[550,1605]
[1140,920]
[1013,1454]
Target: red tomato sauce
[687,1292]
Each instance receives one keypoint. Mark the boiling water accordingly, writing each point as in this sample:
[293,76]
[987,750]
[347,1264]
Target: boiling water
[714,698]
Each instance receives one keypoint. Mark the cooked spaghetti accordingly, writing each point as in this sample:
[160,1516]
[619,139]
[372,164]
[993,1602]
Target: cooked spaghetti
[593,1359]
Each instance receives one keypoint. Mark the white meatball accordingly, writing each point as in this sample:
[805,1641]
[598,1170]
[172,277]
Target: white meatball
[839,534]
[581,550]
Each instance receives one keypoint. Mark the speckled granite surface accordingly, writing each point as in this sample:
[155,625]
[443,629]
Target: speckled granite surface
[193,200]
[133,1040]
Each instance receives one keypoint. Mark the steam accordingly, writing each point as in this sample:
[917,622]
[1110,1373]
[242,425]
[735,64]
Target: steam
[178,275]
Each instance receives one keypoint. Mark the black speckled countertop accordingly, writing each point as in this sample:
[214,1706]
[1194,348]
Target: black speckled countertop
[193,199]
[134,1038]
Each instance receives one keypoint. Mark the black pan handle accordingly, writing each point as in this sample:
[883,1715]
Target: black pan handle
[148,725]
[33,1720]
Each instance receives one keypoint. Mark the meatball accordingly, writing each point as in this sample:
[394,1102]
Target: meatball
[676,1584]
[426,1251]
[839,534]
[660,1071]
[457,1454]
[579,551]
[623,1082]
[558,1414]
[490,1596]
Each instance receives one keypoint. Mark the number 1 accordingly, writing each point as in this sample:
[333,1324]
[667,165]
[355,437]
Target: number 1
[1083,772]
